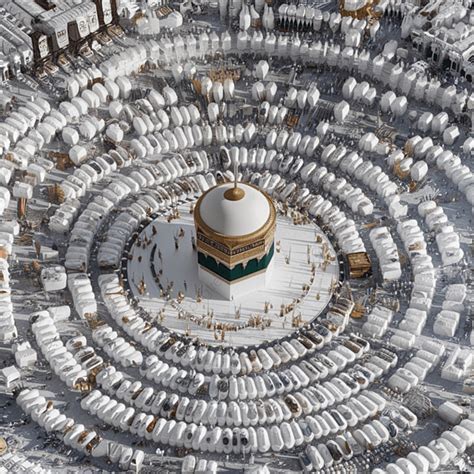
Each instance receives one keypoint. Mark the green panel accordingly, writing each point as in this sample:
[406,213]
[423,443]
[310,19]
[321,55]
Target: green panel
[253,266]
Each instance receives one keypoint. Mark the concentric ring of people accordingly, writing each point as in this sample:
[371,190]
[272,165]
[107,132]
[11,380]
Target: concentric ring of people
[241,241]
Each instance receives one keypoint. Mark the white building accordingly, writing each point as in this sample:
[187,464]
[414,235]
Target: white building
[25,356]
[443,32]
[9,376]
[65,23]
[16,47]
[235,228]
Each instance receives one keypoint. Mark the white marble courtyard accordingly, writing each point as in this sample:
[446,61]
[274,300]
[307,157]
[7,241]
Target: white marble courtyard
[297,253]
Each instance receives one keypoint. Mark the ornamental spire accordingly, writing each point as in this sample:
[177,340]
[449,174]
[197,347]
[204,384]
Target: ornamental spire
[236,173]
[235,193]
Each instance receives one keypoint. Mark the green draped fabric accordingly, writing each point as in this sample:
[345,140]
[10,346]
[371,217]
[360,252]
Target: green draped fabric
[253,266]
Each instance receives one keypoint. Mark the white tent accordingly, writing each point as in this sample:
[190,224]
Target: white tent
[446,323]
[399,106]
[70,136]
[261,70]
[440,122]
[114,133]
[419,170]
[258,91]
[450,135]
[87,129]
[124,85]
[341,111]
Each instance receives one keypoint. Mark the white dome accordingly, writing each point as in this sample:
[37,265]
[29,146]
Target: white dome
[234,218]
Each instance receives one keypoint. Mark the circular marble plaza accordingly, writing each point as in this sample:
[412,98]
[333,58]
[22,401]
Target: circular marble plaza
[162,274]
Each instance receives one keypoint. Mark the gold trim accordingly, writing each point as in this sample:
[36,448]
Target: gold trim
[231,262]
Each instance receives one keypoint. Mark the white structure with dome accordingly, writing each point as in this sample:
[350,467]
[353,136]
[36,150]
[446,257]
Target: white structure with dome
[235,229]
[235,217]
